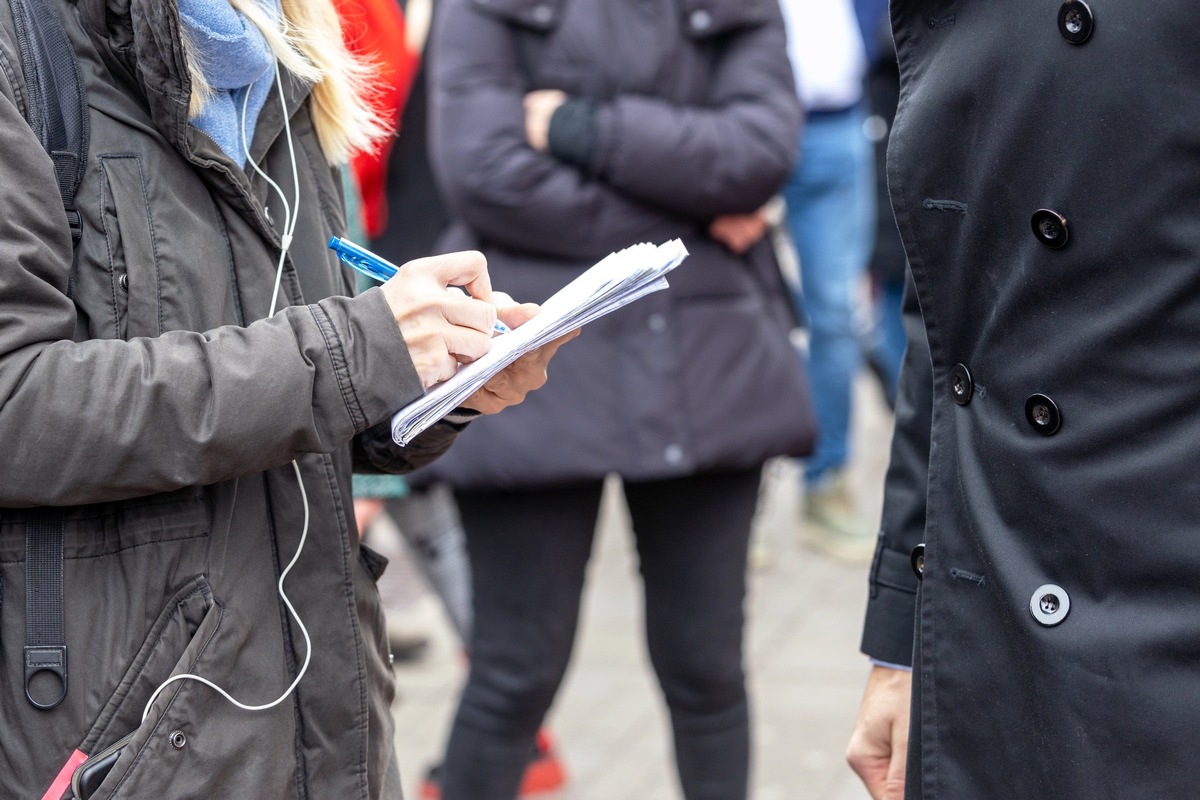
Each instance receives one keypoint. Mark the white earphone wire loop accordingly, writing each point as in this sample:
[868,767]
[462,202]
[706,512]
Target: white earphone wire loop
[291,610]
[290,217]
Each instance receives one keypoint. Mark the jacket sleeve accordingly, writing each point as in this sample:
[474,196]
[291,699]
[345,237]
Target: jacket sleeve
[891,607]
[376,452]
[490,178]
[100,420]
[746,136]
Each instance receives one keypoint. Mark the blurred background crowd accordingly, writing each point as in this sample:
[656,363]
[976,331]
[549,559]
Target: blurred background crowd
[648,580]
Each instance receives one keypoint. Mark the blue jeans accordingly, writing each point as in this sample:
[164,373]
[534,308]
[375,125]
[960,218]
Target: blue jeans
[831,215]
[889,340]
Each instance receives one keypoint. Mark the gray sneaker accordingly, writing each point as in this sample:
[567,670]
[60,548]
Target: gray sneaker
[833,524]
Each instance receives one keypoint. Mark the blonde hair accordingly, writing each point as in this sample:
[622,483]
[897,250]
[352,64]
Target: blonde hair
[309,45]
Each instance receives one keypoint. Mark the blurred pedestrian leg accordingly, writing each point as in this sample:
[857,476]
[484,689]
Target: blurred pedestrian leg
[530,550]
[830,211]
[830,198]
[402,592]
[429,522]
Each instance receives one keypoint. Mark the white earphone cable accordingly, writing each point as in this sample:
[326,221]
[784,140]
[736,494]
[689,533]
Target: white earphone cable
[291,214]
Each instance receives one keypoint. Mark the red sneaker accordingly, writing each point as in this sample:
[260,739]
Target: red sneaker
[544,773]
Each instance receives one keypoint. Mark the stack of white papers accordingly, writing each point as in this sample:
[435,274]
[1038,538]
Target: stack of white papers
[617,280]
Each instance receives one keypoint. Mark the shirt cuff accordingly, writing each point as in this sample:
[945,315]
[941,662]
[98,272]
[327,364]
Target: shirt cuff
[902,667]
[459,417]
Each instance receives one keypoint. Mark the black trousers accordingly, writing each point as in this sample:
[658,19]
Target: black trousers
[529,551]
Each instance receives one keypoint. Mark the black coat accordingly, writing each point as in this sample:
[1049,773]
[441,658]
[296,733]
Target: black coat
[696,117]
[1065,417]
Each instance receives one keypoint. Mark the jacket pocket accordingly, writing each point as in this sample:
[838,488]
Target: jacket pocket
[194,744]
[381,682]
[140,765]
[373,561]
[168,637]
[132,250]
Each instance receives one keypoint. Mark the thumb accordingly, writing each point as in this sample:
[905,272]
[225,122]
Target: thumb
[516,315]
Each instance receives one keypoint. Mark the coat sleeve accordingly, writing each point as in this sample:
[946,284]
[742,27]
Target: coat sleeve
[376,452]
[490,178]
[891,607]
[746,136]
[100,420]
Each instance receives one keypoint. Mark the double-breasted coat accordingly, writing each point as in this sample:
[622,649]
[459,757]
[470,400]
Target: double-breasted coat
[1045,175]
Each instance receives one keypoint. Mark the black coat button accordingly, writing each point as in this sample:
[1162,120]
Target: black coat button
[917,560]
[1043,414]
[1050,228]
[1075,21]
[961,387]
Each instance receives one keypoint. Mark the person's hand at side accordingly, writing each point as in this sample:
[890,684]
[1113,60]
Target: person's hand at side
[366,509]
[540,106]
[510,385]
[739,232]
[879,744]
[443,329]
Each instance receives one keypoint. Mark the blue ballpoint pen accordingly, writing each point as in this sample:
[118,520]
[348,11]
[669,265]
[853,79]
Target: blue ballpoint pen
[371,265]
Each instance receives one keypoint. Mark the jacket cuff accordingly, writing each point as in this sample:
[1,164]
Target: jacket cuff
[460,417]
[891,608]
[375,373]
[572,135]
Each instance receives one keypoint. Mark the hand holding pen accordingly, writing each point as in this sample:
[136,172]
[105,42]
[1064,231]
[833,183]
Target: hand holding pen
[382,270]
[441,329]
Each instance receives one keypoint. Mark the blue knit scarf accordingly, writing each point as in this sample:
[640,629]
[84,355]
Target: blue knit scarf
[235,59]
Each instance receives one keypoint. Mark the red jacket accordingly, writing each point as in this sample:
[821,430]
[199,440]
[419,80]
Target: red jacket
[375,29]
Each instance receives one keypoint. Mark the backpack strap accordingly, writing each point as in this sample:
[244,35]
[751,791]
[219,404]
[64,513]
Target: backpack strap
[45,638]
[57,110]
[56,101]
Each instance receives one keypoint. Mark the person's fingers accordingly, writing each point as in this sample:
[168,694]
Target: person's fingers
[467,269]
[438,369]
[467,345]
[467,312]
[514,315]
[548,350]
[511,385]
[893,784]
[870,762]
[879,744]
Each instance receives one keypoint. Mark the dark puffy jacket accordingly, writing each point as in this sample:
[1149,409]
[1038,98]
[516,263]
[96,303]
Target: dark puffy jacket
[142,393]
[696,116]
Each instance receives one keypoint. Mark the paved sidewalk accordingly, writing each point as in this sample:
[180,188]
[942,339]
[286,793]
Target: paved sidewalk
[806,674]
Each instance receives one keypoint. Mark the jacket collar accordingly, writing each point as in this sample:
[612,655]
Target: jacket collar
[701,19]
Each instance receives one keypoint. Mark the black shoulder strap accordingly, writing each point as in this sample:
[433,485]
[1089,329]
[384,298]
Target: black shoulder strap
[56,105]
[45,638]
[56,108]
